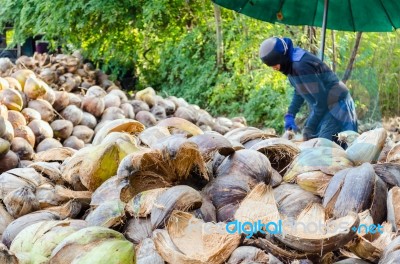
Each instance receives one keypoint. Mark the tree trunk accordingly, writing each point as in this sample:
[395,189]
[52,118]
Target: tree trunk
[349,68]
[333,51]
[220,44]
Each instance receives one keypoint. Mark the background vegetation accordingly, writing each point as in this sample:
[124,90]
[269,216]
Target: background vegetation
[172,45]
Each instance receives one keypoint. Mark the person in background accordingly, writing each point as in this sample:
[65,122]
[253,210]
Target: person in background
[331,105]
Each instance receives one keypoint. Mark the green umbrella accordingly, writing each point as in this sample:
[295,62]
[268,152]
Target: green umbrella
[350,15]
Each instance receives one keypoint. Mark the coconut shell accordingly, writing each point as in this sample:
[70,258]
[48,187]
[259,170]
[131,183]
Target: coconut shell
[74,143]
[48,143]
[93,105]
[151,135]
[62,129]
[113,113]
[107,214]
[147,253]
[138,229]
[368,146]
[44,108]
[55,154]
[207,211]
[12,99]
[355,190]
[181,197]
[9,161]
[389,173]
[94,244]
[186,242]
[88,120]
[22,148]
[247,254]
[146,118]
[16,226]
[114,188]
[30,114]
[26,133]
[4,147]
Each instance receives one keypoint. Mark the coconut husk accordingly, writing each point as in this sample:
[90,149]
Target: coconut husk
[47,196]
[12,99]
[112,113]
[21,201]
[391,254]
[187,113]
[175,161]
[368,146]
[279,151]
[26,133]
[111,100]
[182,124]
[50,170]
[248,254]
[142,203]
[151,135]
[370,247]
[16,118]
[206,212]
[68,210]
[244,134]
[259,204]
[7,256]
[62,100]
[386,149]
[352,261]
[355,190]
[74,143]
[62,128]
[128,110]
[4,147]
[292,199]
[324,239]
[82,196]
[9,131]
[319,142]
[93,104]
[83,133]
[48,143]
[30,114]
[393,207]
[394,154]
[209,143]
[88,120]
[137,229]
[44,108]
[9,161]
[41,129]
[181,197]
[139,106]
[22,148]
[37,241]
[18,178]
[93,245]
[146,118]
[54,154]
[247,162]
[146,253]
[114,188]
[190,240]
[158,112]
[16,226]
[119,125]
[276,178]
[93,165]
[389,173]
[107,214]
[5,219]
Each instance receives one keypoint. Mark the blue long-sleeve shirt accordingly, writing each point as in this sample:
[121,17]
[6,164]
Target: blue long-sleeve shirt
[312,80]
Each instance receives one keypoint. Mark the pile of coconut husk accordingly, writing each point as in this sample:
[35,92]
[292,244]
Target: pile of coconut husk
[91,174]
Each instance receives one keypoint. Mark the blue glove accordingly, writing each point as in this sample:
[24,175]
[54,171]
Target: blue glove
[290,123]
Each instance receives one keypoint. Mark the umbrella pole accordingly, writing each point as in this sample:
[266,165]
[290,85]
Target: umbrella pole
[324,20]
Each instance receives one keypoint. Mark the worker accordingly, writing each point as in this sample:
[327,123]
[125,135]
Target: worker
[331,105]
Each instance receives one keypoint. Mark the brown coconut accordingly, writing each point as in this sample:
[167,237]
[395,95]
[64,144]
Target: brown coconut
[62,129]
[73,114]
[121,94]
[93,105]
[4,147]
[26,133]
[61,100]
[139,106]
[22,148]
[48,143]
[16,118]
[9,161]
[21,201]
[112,113]
[112,100]
[75,99]
[88,120]
[74,142]
[83,133]
[128,110]
[30,114]
[41,130]
[12,99]
[44,108]
[146,118]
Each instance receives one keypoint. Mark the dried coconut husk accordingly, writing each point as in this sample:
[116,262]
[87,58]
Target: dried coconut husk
[292,199]
[107,214]
[368,146]
[247,254]
[168,105]
[391,254]
[370,247]
[50,170]
[16,226]
[151,135]
[54,154]
[74,143]
[181,197]
[9,161]
[389,144]
[319,142]
[4,84]
[83,133]
[222,130]
[394,154]
[33,89]
[245,134]
[146,253]
[48,143]
[88,120]
[4,147]
[355,190]
[75,99]
[324,239]
[146,118]
[13,83]
[46,196]
[389,173]
[68,210]
[138,229]
[62,129]
[139,106]
[21,201]
[313,168]
[112,113]
[259,204]
[209,143]
[93,165]
[37,241]
[393,207]
[44,108]
[119,125]
[5,219]
[121,136]
[246,162]
[178,101]
[114,188]
[19,177]
[12,99]
[26,133]
[41,129]
[186,113]
[276,178]
[207,211]
[280,152]
[16,118]
[7,256]
[175,162]
[30,114]
[205,119]
[190,240]
[142,203]
[22,75]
